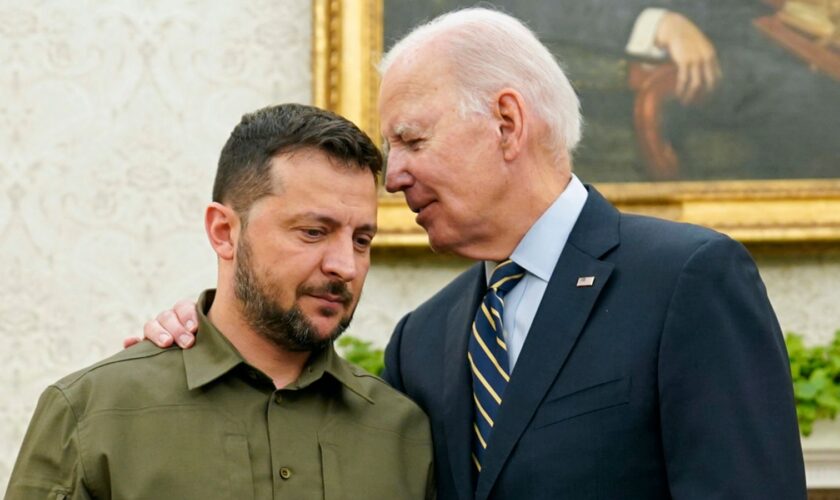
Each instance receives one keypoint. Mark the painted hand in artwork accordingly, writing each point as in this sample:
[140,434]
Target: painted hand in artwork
[698,71]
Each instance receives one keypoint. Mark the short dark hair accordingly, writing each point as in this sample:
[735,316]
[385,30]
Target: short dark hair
[244,171]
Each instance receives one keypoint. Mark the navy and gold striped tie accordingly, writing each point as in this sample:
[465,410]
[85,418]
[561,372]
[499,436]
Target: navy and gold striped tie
[487,355]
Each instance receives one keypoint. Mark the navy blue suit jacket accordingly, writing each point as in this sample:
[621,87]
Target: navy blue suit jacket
[668,378]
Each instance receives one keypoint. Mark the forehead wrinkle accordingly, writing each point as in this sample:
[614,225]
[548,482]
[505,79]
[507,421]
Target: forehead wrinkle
[329,221]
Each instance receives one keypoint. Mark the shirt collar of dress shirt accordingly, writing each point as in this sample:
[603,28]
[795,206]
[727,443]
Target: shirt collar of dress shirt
[542,245]
[213,356]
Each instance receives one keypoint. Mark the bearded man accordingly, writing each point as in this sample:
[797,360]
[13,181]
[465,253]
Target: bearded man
[261,407]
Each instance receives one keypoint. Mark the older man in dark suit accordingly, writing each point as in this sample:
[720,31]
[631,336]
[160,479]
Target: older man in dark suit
[641,358]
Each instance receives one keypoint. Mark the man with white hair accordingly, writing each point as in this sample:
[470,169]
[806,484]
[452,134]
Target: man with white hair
[589,354]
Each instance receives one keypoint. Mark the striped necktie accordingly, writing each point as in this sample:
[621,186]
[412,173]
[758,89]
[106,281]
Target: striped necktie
[487,355]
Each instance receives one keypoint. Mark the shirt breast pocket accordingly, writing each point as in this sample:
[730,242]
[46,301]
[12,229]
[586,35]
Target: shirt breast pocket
[167,452]
[365,462]
[583,401]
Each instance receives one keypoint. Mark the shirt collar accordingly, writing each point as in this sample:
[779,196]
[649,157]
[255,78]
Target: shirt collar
[542,245]
[327,361]
[213,356]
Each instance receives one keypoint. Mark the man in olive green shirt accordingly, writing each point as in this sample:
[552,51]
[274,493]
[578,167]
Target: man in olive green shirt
[262,406]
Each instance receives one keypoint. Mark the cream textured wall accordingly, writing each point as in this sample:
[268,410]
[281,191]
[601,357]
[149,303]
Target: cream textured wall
[112,115]
[805,292]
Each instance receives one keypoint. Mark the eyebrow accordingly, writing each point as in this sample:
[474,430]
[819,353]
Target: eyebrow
[329,221]
[404,128]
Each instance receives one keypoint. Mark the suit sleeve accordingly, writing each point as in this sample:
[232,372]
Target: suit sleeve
[49,463]
[391,373]
[728,420]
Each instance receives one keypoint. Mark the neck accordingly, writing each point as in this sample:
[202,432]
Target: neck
[534,193]
[283,366]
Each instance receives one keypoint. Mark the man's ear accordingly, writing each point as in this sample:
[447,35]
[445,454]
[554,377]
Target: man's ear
[509,110]
[222,225]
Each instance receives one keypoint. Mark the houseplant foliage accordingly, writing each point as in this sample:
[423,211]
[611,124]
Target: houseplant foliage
[815,371]
[362,353]
[816,379]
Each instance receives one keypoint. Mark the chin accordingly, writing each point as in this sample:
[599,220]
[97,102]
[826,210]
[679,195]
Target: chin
[440,243]
[457,244]
[326,325]
[323,324]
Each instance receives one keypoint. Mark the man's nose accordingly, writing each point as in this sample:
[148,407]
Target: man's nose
[397,176]
[340,260]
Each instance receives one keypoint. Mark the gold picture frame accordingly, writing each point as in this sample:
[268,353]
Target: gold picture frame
[347,43]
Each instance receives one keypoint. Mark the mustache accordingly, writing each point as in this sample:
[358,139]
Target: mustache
[337,288]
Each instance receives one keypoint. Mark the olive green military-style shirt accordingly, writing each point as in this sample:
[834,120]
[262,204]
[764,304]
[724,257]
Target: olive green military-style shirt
[152,423]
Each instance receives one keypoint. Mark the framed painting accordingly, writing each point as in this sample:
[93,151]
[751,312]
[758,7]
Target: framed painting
[757,155]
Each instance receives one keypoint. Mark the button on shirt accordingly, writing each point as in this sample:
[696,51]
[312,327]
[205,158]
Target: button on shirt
[203,424]
[537,253]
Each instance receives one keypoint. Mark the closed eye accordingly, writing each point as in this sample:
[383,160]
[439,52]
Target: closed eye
[313,233]
[413,144]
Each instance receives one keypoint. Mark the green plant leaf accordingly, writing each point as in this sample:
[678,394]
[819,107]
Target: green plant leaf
[829,401]
[805,390]
[815,371]
[362,353]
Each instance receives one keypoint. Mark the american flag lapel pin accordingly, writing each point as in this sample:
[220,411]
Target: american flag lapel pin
[584,281]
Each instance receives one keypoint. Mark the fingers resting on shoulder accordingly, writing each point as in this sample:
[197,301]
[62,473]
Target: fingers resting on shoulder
[177,325]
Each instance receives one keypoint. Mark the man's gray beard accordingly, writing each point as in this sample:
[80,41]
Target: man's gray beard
[288,329]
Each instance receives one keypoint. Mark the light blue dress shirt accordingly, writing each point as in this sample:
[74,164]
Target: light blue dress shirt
[537,253]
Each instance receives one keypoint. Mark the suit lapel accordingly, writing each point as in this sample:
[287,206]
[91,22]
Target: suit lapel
[458,384]
[560,319]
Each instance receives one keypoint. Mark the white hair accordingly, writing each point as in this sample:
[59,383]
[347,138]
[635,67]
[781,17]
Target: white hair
[492,50]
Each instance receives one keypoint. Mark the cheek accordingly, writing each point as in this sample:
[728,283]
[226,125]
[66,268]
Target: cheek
[291,273]
[362,266]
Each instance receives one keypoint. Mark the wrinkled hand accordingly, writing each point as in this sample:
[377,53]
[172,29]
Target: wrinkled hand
[178,324]
[698,71]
